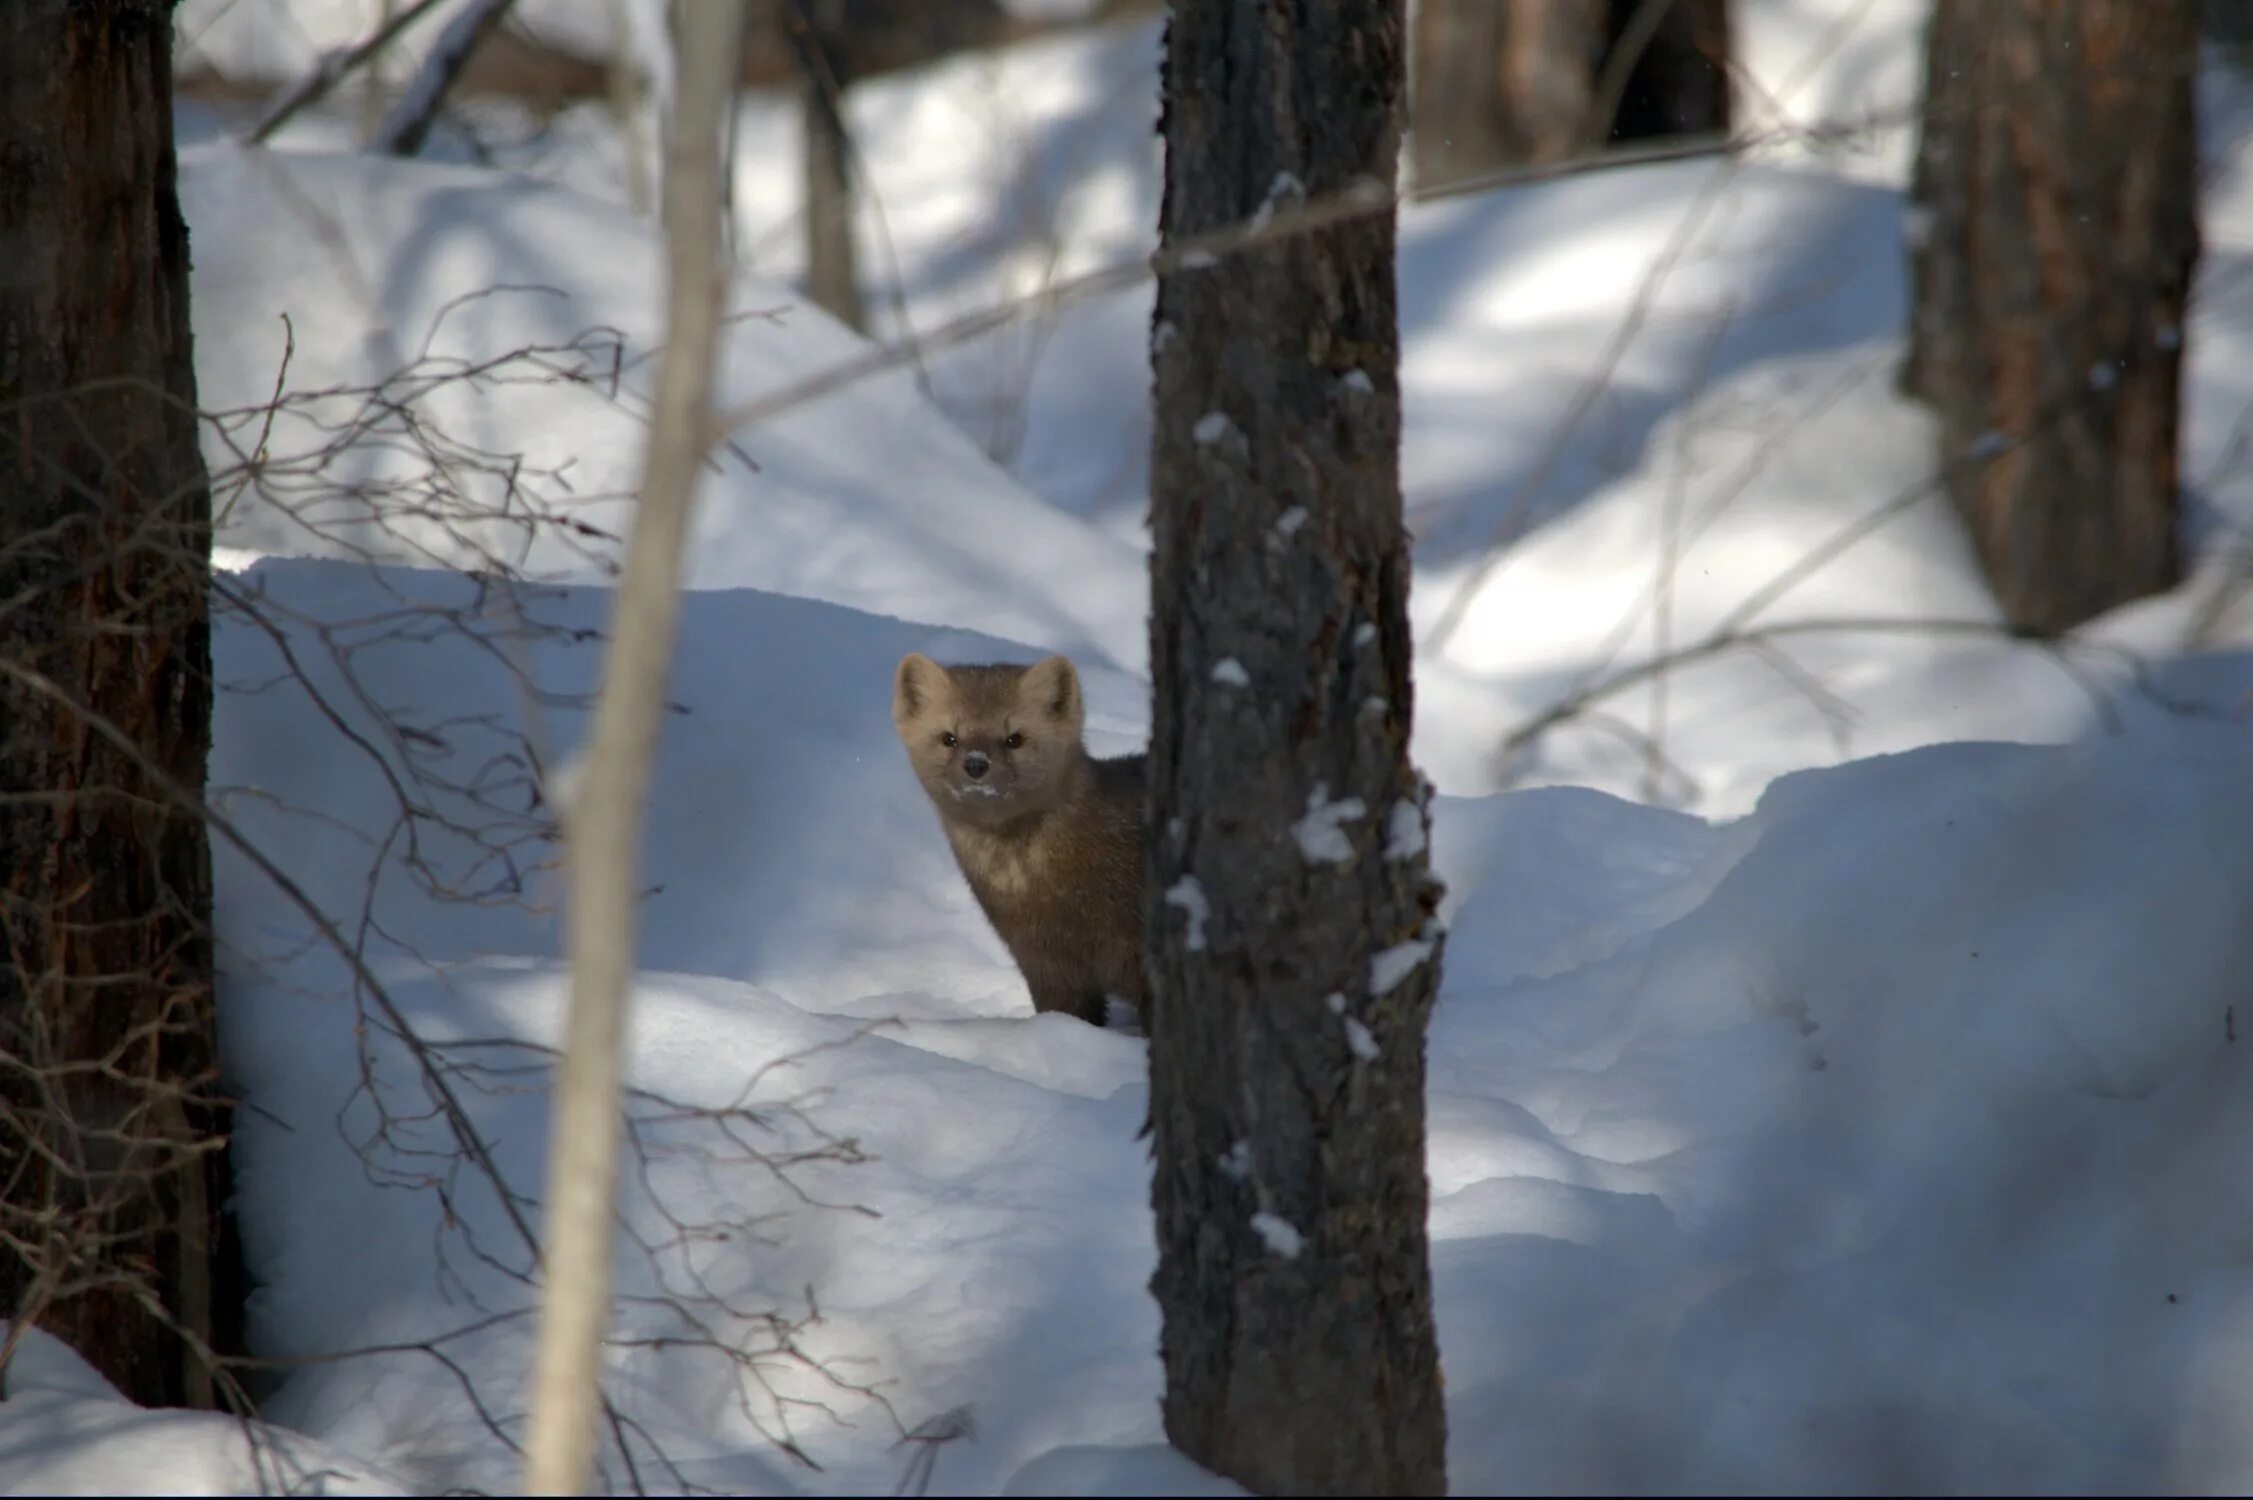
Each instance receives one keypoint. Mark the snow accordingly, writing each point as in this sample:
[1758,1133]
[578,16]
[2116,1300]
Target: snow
[1361,1040]
[1215,427]
[64,1430]
[1404,831]
[1188,895]
[1964,1048]
[1389,966]
[1282,1237]
[1321,834]
[1835,1078]
[1285,186]
[762,987]
[1229,672]
[383,264]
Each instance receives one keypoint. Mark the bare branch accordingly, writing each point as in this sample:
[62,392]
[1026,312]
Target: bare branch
[333,69]
[405,127]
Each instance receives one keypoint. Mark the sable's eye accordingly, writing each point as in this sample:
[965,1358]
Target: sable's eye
[946,738]
[1015,741]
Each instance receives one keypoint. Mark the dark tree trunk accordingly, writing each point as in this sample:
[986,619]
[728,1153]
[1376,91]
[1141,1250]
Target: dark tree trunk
[1503,83]
[1665,69]
[832,266]
[871,37]
[1293,951]
[114,1176]
[2053,236]
[2229,25]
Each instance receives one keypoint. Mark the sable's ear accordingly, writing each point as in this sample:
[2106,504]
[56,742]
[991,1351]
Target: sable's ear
[1052,687]
[916,685]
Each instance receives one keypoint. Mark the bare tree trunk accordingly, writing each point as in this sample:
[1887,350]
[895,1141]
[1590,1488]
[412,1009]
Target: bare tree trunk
[114,1174]
[1665,70]
[603,825]
[1503,83]
[1293,954]
[832,265]
[375,80]
[1500,84]
[2229,25]
[2054,233]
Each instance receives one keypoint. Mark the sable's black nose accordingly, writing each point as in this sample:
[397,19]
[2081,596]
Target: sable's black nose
[974,764]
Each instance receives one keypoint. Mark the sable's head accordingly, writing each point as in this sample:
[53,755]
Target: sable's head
[989,743]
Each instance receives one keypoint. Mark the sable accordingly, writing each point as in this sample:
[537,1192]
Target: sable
[1049,838]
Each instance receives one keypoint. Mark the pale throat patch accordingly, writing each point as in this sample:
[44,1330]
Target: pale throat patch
[1008,866]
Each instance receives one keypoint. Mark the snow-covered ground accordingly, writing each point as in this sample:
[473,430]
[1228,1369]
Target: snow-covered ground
[1819,1101]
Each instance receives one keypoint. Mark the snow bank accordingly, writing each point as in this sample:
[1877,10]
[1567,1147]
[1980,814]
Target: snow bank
[64,1430]
[1859,1143]
[866,497]
[1901,1161]
[801,891]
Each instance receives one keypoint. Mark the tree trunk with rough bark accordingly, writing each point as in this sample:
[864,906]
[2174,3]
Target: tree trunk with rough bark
[1293,950]
[114,1175]
[2053,235]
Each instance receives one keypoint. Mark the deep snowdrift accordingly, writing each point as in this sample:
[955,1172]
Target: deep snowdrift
[1861,1143]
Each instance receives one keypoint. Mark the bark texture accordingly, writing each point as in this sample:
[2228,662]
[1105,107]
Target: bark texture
[1293,954]
[2053,236]
[111,1130]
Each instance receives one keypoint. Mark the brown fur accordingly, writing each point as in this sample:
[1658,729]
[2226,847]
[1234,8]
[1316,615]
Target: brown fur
[1049,838]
